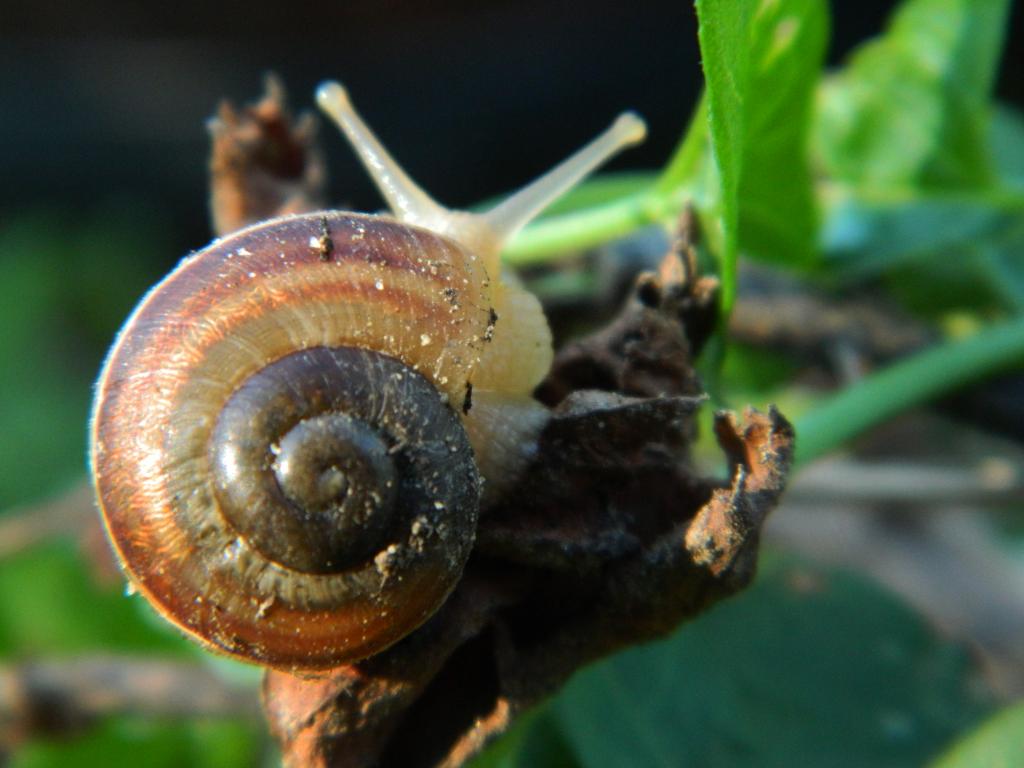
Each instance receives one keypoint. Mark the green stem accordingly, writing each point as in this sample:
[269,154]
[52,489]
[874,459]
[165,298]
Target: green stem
[1002,199]
[583,229]
[1002,275]
[926,375]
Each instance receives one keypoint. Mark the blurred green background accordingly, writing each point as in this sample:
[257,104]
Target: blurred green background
[843,652]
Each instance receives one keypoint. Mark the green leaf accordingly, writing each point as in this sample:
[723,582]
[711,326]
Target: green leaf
[807,667]
[914,380]
[53,606]
[777,215]
[750,372]
[912,107]
[535,741]
[939,250]
[866,234]
[997,742]
[129,741]
[982,277]
[723,32]
[68,281]
[761,62]
[1007,141]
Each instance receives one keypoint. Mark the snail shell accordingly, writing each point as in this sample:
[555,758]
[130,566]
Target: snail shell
[275,449]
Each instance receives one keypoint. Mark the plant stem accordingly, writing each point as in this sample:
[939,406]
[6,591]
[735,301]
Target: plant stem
[575,231]
[922,377]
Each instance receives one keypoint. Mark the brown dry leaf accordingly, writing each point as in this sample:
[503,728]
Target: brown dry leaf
[263,163]
[608,539]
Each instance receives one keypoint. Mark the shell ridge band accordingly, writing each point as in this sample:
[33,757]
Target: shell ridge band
[289,452]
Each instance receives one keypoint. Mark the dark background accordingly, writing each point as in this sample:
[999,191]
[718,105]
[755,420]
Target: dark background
[102,104]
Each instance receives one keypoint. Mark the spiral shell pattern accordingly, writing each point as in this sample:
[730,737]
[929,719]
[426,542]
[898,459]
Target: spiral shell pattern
[401,315]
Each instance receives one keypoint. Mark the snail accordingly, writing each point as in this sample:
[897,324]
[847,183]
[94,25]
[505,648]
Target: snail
[292,431]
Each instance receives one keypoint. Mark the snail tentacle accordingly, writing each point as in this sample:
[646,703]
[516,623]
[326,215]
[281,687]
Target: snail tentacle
[485,233]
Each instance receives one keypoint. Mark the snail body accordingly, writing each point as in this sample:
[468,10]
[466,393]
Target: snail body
[292,431]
